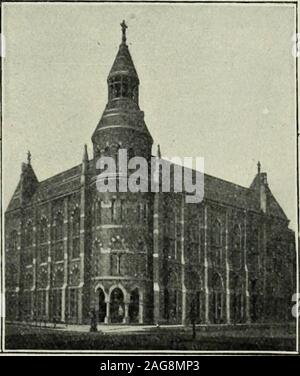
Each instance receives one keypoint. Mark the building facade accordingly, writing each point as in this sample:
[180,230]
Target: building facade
[144,257]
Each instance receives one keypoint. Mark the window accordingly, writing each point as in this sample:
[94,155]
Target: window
[28,280]
[43,231]
[73,305]
[98,213]
[122,87]
[55,305]
[166,304]
[217,299]
[253,252]
[75,250]
[106,212]
[13,243]
[43,249]
[41,303]
[58,237]
[26,305]
[115,264]
[216,242]
[130,153]
[143,212]
[58,227]
[123,211]
[254,299]
[11,275]
[114,214]
[28,244]
[216,235]
[29,235]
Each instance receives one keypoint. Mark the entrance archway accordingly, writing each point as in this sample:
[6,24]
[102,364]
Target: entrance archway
[117,306]
[101,306]
[134,306]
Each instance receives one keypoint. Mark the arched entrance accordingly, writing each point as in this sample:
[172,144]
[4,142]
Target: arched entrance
[101,306]
[117,306]
[134,306]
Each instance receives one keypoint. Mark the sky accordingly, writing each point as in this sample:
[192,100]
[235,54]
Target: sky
[216,81]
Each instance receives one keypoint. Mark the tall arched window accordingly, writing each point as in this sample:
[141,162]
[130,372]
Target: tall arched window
[11,270]
[43,231]
[254,299]
[29,235]
[114,210]
[97,212]
[253,252]
[58,237]
[115,263]
[217,299]
[216,234]
[166,304]
[122,87]
[75,250]
[13,242]
[236,247]
[43,238]
[236,301]
[216,242]
[58,229]
[106,212]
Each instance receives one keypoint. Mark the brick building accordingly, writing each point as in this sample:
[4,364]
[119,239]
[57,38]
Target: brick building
[144,257]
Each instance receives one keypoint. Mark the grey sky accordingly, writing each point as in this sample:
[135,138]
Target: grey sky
[217,81]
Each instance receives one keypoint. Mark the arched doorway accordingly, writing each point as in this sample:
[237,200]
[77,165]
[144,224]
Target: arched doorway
[101,306]
[117,306]
[134,306]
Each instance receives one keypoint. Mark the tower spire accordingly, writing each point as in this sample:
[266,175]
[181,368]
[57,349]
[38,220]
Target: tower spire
[124,27]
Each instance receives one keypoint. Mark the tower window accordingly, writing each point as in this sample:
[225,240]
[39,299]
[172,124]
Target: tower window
[76,234]
[122,87]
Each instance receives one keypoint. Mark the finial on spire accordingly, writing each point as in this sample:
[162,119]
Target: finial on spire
[28,157]
[124,27]
[258,167]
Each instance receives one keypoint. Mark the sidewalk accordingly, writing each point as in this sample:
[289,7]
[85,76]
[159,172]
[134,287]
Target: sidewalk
[104,328]
[211,331]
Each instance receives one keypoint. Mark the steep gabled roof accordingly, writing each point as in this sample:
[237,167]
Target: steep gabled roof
[220,190]
[60,184]
[57,185]
[228,193]
[215,189]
